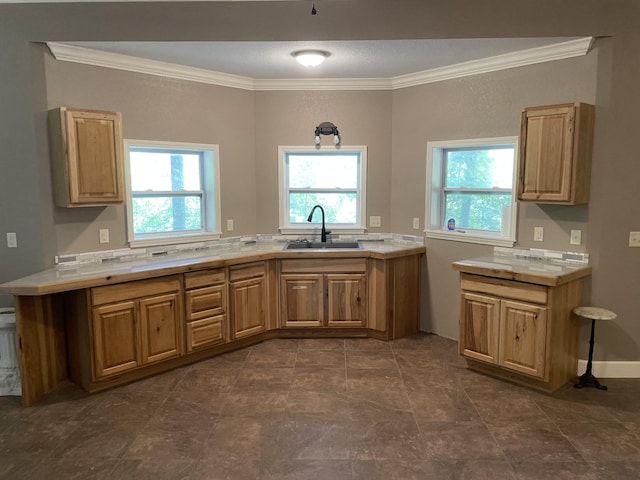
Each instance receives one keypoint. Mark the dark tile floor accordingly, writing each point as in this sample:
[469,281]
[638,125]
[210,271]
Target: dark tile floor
[326,409]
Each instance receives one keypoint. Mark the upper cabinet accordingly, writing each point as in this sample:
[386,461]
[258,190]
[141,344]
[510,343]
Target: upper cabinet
[555,154]
[86,156]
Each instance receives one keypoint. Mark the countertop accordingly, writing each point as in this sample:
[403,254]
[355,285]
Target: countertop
[66,278]
[530,271]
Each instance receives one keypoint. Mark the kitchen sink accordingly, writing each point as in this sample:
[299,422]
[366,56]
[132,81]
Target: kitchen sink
[302,245]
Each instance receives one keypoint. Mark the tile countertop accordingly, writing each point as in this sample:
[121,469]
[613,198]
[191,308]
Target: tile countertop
[73,277]
[524,270]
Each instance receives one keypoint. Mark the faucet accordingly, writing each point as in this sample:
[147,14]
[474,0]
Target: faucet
[323,234]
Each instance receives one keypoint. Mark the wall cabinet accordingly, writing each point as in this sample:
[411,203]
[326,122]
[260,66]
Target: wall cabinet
[205,308]
[555,153]
[248,299]
[86,157]
[331,293]
[520,331]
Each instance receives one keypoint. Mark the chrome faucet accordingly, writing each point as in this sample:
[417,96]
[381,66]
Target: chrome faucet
[323,233]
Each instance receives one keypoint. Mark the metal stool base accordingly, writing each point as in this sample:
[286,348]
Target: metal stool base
[588,380]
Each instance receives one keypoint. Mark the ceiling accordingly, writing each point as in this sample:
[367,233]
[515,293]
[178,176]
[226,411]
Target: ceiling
[374,59]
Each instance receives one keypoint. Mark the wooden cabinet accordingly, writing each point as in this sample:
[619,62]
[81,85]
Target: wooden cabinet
[135,324]
[248,295]
[520,331]
[555,153]
[205,308]
[330,292]
[86,157]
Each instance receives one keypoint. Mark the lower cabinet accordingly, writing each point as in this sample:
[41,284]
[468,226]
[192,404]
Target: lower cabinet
[520,331]
[205,308]
[247,299]
[330,293]
[135,324]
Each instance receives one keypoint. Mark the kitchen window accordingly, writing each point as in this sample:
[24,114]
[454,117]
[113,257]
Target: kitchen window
[173,193]
[327,176]
[470,194]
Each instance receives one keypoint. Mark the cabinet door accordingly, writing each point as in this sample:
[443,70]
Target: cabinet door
[346,300]
[247,306]
[205,332]
[302,300]
[160,327]
[94,156]
[479,323]
[547,154]
[523,330]
[115,339]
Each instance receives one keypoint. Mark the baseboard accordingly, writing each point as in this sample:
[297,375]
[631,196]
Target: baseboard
[611,369]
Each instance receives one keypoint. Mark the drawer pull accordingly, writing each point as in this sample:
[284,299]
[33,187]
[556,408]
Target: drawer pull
[299,287]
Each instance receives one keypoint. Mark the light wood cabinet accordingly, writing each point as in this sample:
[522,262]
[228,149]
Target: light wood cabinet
[520,331]
[86,157]
[205,308]
[555,153]
[135,324]
[326,293]
[247,299]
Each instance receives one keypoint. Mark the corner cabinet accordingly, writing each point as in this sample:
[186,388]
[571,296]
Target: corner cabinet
[520,331]
[555,153]
[86,157]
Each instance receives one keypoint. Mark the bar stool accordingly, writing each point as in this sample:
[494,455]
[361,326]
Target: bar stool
[594,313]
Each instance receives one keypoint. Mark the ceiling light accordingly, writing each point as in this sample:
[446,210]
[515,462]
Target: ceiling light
[310,58]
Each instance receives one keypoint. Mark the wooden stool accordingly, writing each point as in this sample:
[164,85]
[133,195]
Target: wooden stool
[594,313]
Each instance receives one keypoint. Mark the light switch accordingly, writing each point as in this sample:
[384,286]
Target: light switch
[230,225]
[12,240]
[538,234]
[634,239]
[374,221]
[416,223]
[576,237]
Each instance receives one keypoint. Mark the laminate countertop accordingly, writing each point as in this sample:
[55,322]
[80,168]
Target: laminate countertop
[530,271]
[65,278]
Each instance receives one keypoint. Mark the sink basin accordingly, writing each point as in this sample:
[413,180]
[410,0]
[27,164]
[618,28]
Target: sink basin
[303,245]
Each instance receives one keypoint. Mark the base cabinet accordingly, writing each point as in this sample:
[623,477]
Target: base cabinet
[247,299]
[520,331]
[505,333]
[330,293]
[205,309]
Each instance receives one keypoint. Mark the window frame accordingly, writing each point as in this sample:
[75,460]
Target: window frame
[435,194]
[210,175]
[285,226]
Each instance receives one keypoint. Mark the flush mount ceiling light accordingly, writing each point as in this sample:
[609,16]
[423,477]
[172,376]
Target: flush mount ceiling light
[310,58]
[327,128]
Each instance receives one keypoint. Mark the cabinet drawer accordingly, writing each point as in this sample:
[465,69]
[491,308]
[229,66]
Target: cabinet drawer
[134,290]
[342,265]
[504,288]
[205,302]
[205,332]
[249,270]
[204,278]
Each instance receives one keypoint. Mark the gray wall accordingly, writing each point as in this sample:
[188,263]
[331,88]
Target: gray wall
[241,122]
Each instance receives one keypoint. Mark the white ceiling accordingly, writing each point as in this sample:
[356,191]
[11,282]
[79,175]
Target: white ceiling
[349,59]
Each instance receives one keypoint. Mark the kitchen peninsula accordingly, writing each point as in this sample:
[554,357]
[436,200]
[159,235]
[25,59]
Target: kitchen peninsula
[118,319]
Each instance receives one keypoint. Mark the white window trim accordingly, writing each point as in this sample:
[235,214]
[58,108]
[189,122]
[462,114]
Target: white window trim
[433,198]
[213,229]
[283,216]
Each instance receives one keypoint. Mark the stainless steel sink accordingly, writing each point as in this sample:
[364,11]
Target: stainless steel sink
[302,245]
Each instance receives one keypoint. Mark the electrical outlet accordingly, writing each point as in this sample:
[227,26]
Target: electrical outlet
[634,239]
[374,221]
[12,240]
[230,225]
[416,223]
[104,235]
[576,237]
[538,234]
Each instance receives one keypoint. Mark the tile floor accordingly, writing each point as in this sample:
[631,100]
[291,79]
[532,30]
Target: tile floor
[326,409]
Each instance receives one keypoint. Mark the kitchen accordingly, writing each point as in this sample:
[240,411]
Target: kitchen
[395,125]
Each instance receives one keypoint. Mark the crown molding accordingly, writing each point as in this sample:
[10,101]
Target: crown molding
[87,56]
